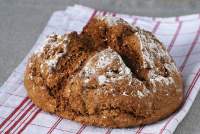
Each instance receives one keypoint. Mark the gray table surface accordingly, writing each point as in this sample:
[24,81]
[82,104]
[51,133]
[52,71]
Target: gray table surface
[21,21]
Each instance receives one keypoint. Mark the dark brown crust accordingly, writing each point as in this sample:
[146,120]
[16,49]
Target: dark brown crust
[50,90]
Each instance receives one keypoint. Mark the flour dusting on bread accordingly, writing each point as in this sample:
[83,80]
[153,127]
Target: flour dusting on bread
[107,67]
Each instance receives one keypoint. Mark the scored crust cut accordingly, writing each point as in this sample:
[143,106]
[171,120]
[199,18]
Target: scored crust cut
[112,74]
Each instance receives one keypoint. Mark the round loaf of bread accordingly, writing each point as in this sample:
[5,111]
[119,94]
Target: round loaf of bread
[112,74]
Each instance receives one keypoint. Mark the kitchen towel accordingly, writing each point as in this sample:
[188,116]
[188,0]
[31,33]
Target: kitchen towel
[181,36]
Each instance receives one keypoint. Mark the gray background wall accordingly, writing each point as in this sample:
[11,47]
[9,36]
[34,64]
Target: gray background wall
[21,21]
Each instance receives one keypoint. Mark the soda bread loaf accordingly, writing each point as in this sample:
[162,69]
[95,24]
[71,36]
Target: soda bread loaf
[112,74]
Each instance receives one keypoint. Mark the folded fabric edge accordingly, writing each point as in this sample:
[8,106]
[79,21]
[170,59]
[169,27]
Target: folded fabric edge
[173,19]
